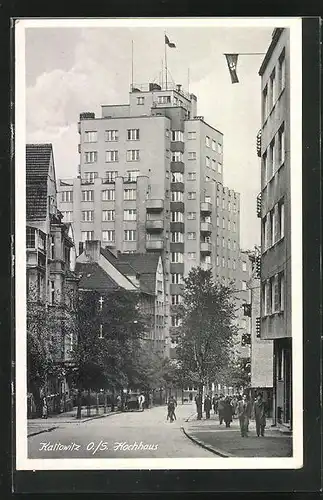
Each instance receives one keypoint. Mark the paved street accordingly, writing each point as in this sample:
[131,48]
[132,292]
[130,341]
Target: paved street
[114,436]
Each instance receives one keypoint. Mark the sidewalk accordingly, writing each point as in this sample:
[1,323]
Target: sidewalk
[40,425]
[229,443]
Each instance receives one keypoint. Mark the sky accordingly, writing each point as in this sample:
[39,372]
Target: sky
[71,70]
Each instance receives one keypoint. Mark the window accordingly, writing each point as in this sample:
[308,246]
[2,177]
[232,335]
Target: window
[108,235]
[129,194]
[177,217]
[272,90]
[281,147]
[275,298]
[67,196]
[208,219]
[273,225]
[133,155]
[265,167]
[191,215]
[207,161]
[87,215]
[223,203]
[218,221]
[213,164]
[281,72]
[87,195]
[110,176]
[229,225]
[177,135]
[223,223]
[219,148]
[229,244]
[140,101]
[207,141]
[177,237]
[191,135]
[217,201]
[244,266]
[177,156]
[191,176]
[111,135]
[177,257]
[177,177]
[223,242]
[30,237]
[132,175]
[163,99]
[90,136]
[243,285]
[176,300]
[177,279]
[229,264]
[111,156]
[67,216]
[220,168]
[87,235]
[191,155]
[108,215]
[191,255]
[217,260]
[234,227]
[213,145]
[52,292]
[89,177]
[234,265]
[191,236]
[175,321]
[223,262]
[234,245]
[281,215]
[130,214]
[130,235]
[108,195]
[90,157]
[177,196]
[265,103]
[281,280]
[265,232]
[191,195]
[133,134]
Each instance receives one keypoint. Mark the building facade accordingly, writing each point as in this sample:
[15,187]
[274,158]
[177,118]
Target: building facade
[274,210]
[151,180]
[51,282]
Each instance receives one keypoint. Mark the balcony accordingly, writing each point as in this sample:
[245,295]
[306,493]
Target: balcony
[154,225]
[206,207]
[206,247]
[154,245]
[259,205]
[154,205]
[259,143]
[177,186]
[206,227]
[177,146]
[177,166]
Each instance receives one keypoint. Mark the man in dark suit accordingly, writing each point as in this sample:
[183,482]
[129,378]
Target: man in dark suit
[244,414]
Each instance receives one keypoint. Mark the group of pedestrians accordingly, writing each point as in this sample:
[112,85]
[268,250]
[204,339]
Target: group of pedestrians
[237,406]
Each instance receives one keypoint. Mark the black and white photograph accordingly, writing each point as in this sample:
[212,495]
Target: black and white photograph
[158,181]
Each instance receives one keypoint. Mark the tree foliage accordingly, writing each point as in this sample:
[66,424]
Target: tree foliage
[207,328]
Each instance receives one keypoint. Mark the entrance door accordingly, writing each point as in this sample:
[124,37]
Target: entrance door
[287,384]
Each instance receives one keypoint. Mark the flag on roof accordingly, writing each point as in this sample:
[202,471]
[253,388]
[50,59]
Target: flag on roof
[232,60]
[170,44]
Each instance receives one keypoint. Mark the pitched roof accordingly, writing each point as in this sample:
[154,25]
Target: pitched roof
[122,265]
[93,277]
[146,266]
[38,158]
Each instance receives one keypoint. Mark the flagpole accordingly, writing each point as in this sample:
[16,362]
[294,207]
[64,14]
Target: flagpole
[131,65]
[165,62]
[162,74]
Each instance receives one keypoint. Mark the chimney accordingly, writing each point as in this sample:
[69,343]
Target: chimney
[92,250]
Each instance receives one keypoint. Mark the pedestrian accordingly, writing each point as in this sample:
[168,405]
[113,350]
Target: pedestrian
[44,408]
[198,402]
[207,406]
[171,409]
[234,403]
[215,402]
[221,408]
[260,415]
[227,411]
[244,413]
[141,400]
[190,397]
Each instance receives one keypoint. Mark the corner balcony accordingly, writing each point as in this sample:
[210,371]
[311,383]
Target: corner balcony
[206,247]
[154,245]
[154,225]
[154,205]
[259,205]
[206,207]
[206,227]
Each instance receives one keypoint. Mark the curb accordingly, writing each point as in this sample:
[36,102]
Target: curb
[41,432]
[208,447]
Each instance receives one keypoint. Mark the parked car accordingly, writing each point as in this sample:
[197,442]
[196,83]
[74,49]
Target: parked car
[132,402]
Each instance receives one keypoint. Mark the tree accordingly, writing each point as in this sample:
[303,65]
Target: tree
[207,326]
[237,373]
[110,329]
